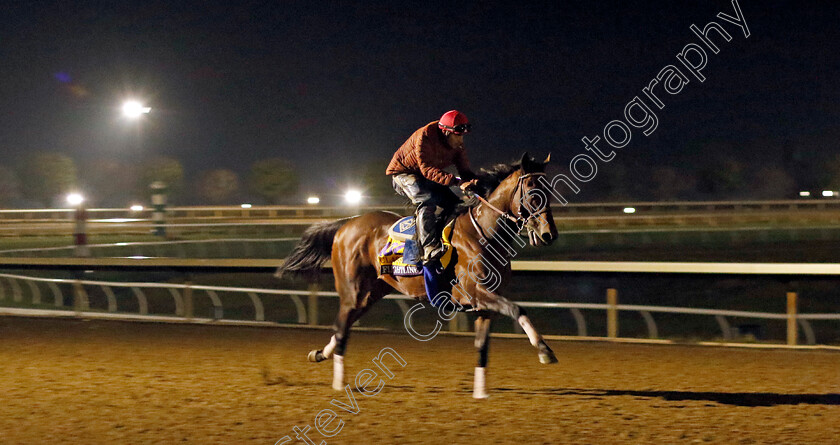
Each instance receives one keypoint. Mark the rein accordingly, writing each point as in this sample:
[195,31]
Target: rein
[487,203]
[514,219]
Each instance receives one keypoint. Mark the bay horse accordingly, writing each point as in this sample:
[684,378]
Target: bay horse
[482,238]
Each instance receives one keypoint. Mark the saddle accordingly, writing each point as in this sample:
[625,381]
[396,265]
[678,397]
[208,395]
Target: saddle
[401,255]
[401,258]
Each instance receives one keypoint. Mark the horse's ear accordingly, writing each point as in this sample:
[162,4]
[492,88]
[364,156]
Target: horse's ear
[526,160]
[547,159]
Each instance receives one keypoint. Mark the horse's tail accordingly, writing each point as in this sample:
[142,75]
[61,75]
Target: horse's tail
[314,248]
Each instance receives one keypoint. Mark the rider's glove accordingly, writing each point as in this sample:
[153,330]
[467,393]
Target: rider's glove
[469,186]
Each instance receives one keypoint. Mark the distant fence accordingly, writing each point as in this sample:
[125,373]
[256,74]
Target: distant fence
[145,227]
[689,210]
[738,216]
[318,211]
[203,248]
[75,292]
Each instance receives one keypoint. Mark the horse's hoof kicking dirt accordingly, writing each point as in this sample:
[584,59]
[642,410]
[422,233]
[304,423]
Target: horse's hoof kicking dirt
[315,356]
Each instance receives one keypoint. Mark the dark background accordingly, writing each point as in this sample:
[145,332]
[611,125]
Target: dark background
[335,87]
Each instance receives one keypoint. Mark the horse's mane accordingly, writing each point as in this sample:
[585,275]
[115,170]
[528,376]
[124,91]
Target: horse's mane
[488,180]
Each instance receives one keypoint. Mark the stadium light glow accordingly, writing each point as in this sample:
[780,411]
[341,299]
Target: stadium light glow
[133,109]
[804,194]
[353,196]
[75,199]
[827,193]
[246,206]
[313,200]
[136,208]
[629,210]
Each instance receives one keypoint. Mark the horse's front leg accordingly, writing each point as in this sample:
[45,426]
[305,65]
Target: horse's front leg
[482,344]
[500,304]
[546,354]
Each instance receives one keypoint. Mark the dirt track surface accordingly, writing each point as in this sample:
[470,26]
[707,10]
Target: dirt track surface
[85,382]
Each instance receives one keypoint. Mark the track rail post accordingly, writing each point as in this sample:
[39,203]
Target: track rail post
[312,310]
[791,319]
[612,313]
[189,308]
[80,300]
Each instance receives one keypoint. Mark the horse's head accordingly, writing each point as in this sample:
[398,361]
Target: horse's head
[531,201]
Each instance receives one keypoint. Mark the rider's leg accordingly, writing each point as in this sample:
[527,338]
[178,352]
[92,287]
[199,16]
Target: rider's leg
[442,197]
[422,193]
[408,185]
[427,196]
[427,231]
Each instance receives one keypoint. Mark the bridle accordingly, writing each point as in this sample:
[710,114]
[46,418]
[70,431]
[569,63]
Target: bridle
[519,220]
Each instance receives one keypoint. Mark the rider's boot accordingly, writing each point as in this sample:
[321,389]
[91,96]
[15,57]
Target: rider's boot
[427,234]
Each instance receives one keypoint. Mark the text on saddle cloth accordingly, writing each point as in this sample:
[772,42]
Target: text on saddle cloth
[401,255]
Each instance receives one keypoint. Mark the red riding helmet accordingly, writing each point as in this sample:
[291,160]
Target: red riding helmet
[454,121]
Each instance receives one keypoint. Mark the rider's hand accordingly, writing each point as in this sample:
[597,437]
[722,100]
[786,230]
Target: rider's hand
[471,185]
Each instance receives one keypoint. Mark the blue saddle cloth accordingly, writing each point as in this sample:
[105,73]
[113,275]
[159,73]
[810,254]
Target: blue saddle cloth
[401,257]
[403,229]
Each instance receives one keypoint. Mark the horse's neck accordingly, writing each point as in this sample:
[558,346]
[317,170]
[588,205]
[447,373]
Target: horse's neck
[493,225]
[502,195]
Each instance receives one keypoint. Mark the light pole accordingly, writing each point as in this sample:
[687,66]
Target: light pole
[159,207]
[80,231]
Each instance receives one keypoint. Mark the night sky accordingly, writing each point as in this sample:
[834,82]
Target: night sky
[335,86]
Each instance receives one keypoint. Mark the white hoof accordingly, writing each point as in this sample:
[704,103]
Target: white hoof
[547,359]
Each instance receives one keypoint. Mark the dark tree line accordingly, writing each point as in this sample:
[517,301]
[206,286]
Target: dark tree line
[44,179]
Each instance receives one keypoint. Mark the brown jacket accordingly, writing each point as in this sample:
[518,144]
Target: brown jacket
[426,153]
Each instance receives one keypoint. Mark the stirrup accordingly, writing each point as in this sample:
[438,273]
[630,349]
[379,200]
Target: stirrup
[432,253]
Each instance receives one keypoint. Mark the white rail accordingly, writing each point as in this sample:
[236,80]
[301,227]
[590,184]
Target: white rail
[806,269]
[679,267]
[183,295]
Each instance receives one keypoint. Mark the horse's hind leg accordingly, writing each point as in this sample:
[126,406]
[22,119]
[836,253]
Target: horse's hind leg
[341,320]
[319,355]
[346,289]
[356,298]
[482,344]
[345,318]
